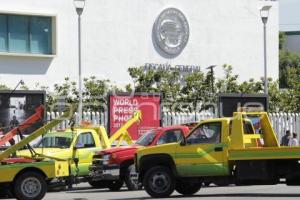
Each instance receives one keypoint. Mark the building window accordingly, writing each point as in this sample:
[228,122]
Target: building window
[25,34]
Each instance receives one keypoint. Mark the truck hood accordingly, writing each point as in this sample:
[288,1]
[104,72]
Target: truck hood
[119,149]
[169,149]
[53,152]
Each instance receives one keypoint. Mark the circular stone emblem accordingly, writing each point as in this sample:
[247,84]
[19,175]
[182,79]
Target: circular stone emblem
[171,31]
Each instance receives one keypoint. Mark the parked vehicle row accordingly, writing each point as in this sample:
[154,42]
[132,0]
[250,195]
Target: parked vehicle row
[221,151]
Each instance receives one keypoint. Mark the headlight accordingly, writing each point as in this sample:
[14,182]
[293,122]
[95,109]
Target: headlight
[106,159]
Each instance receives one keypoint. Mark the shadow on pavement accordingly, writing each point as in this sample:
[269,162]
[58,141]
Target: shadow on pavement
[93,190]
[220,195]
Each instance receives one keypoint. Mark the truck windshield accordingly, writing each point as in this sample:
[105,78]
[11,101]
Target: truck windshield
[146,139]
[54,142]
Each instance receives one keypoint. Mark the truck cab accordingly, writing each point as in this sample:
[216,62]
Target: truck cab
[81,143]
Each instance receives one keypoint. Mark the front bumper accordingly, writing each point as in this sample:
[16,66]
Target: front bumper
[104,172]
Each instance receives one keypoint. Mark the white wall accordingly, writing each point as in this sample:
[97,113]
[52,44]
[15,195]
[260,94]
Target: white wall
[117,35]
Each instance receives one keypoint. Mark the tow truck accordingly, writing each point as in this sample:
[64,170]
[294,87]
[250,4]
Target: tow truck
[222,149]
[80,144]
[117,164]
[27,178]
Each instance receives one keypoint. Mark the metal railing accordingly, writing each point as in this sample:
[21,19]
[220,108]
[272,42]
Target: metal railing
[281,121]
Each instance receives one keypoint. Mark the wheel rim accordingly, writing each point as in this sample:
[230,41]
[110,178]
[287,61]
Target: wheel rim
[133,176]
[159,182]
[31,187]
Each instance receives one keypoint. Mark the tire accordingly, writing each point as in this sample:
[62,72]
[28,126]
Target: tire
[30,186]
[187,188]
[130,180]
[115,185]
[159,182]
[98,184]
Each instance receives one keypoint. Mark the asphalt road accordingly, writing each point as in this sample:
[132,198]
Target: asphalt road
[83,192]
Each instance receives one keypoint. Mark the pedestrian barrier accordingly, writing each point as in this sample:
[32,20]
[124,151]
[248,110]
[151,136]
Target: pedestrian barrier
[281,121]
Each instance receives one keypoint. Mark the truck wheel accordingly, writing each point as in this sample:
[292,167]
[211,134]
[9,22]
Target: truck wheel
[97,184]
[131,178]
[30,186]
[115,185]
[187,188]
[159,182]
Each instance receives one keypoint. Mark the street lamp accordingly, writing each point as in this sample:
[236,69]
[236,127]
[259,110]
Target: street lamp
[264,13]
[21,82]
[212,73]
[79,5]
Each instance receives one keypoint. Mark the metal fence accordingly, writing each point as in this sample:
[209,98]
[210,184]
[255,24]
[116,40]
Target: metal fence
[281,121]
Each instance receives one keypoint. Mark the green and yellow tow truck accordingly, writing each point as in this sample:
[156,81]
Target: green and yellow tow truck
[27,178]
[227,150]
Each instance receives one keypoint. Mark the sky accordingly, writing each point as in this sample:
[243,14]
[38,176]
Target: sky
[289,15]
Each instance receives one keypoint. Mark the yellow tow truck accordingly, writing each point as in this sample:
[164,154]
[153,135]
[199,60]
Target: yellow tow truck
[80,144]
[27,178]
[230,150]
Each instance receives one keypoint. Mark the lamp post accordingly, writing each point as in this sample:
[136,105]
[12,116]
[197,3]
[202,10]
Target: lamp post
[79,6]
[21,82]
[212,78]
[264,13]
[212,81]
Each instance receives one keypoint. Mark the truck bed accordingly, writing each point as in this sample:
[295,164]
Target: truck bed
[50,168]
[264,153]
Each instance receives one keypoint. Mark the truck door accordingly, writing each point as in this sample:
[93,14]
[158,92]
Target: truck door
[204,153]
[84,150]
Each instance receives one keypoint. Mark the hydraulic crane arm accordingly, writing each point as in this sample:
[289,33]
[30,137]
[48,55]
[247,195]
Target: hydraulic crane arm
[38,115]
[122,132]
[33,136]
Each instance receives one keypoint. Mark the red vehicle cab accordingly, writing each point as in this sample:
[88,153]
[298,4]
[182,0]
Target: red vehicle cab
[112,167]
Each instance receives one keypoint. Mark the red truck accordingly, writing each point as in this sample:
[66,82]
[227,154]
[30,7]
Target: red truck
[112,167]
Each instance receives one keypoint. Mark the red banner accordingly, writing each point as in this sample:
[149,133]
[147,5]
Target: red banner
[122,108]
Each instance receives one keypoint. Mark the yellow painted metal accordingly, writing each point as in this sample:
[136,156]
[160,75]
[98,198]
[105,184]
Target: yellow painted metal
[191,159]
[237,132]
[51,168]
[270,139]
[122,132]
[265,153]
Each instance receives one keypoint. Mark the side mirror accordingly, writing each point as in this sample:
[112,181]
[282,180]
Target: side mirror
[183,142]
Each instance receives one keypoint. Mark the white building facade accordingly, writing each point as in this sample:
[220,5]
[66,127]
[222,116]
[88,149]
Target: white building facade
[39,39]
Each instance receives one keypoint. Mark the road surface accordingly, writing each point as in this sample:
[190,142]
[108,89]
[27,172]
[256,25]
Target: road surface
[83,192]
